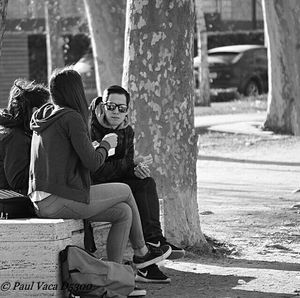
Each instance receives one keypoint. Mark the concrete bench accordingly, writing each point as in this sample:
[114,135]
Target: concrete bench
[29,264]
[29,248]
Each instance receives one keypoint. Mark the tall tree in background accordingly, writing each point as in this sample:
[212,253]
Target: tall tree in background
[54,40]
[203,75]
[3,8]
[282,25]
[158,73]
[106,21]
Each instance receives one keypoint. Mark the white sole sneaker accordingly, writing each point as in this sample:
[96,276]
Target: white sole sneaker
[137,292]
[139,278]
[154,260]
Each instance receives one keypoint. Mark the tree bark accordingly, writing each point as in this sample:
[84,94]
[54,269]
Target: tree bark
[282,25]
[3,11]
[54,40]
[106,21]
[158,72]
[203,98]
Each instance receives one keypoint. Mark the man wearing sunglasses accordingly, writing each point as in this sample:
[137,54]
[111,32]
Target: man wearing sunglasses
[110,115]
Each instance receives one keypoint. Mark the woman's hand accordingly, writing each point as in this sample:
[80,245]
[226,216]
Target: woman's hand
[142,171]
[95,144]
[112,139]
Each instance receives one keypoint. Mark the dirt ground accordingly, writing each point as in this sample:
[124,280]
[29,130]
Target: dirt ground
[249,211]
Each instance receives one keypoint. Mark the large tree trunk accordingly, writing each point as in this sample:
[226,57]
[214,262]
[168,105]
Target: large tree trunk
[158,73]
[203,98]
[54,40]
[282,24]
[106,21]
[3,9]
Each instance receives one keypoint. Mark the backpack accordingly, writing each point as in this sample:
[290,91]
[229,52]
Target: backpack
[85,275]
[15,205]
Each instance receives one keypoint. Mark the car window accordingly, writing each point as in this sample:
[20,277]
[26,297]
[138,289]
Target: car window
[248,58]
[261,56]
[222,57]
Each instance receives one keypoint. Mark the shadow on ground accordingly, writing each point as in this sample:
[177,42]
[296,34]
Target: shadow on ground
[250,161]
[254,264]
[205,285]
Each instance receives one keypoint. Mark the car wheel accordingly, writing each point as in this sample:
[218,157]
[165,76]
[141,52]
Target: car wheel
[252,88]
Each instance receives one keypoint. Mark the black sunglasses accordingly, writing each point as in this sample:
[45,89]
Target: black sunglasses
[112,106]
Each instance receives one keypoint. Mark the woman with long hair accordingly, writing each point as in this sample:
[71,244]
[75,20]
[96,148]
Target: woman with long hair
[62,156]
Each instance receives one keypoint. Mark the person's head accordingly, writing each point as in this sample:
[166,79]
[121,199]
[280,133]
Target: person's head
[24,98]
[115,102]
[66,89]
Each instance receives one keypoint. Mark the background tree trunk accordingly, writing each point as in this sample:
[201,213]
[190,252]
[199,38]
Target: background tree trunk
[106,19]
[203,98]
[3,8]
[54,40]
[158,73]
[282,25]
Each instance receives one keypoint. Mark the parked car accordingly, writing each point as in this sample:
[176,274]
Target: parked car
[244,67]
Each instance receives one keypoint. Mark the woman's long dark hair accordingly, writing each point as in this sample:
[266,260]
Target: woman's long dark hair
[66,89]
[23,97]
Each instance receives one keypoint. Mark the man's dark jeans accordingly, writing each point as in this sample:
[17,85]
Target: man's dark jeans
[145,194]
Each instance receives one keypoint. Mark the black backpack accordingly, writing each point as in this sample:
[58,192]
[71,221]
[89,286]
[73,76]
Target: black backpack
[85,275]
[15,205]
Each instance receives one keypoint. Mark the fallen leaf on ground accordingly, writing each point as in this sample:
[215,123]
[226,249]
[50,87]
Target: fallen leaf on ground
[206,213]
[277,246]
[297,205]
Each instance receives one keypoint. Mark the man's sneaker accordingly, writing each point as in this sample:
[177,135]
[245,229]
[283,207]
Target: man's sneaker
[151,274]
[154,255]
[176,253]
[137,292]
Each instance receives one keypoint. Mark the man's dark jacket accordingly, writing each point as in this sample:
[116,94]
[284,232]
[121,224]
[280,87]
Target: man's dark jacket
[121,164]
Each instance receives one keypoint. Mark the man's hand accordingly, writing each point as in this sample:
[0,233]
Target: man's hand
[146,160]
[142,171]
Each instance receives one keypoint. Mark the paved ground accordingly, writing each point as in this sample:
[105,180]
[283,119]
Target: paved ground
[245,201]
[212,121]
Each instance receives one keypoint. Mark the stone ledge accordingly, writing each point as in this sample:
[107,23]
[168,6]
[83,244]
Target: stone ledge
[30,248]
[29,253]
[37,229]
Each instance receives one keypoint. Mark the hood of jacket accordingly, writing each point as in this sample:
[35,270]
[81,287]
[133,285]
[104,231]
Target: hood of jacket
[46,116]
[102,119]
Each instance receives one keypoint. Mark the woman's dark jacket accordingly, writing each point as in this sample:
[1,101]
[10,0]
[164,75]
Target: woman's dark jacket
[14,154]
[62,154]
[121,164]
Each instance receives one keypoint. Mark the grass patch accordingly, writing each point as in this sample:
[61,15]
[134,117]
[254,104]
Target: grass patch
[221,248]
[243,105]
[214,248]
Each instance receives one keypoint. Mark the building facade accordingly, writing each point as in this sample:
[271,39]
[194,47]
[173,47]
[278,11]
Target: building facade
[228,15]
[24,44]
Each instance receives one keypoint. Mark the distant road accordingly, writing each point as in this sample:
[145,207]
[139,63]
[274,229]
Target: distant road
[207,121]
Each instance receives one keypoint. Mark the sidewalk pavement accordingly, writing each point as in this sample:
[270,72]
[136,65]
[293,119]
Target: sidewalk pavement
[245,200]
[234,123]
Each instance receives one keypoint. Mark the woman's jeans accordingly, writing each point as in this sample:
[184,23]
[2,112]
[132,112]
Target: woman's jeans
[110,202]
